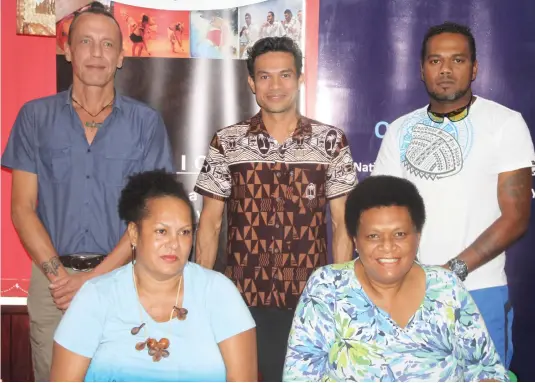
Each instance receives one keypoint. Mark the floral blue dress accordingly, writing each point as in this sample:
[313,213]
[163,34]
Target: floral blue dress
[338,334]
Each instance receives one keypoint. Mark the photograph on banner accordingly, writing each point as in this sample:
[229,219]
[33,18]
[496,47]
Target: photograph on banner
[65,8]
[36,17]
[214,33]
[270,18]
[153,32]
[63,25]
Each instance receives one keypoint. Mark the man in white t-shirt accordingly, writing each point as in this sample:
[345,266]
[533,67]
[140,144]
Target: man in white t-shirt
[249,34]
[470,159]
[271,28]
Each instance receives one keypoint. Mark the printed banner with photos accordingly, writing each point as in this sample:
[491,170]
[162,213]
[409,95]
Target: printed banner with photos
[190,66]
[36,17]
[150,31]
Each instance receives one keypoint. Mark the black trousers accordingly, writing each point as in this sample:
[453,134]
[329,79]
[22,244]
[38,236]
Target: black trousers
[272,330]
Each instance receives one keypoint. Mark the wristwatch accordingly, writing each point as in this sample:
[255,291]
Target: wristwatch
[459,267]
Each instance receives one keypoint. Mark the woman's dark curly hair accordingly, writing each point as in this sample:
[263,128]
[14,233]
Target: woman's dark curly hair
[381,191]
[142,187]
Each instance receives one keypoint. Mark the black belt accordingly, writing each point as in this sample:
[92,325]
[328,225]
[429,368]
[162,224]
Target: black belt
[81,262]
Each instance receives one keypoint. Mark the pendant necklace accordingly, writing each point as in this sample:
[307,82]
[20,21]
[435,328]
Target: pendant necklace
[157,349]
[93,124]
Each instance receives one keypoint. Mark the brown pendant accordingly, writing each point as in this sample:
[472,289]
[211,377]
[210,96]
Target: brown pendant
[181,312]
[156,349]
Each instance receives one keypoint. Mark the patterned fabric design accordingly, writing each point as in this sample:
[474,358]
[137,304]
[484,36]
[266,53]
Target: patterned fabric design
[338,334]
[276,196]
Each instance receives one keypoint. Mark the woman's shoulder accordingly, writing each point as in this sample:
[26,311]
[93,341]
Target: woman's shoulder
[106,283]
[443,285]
[333,274]
[336,268]
[440,275]
[207,278]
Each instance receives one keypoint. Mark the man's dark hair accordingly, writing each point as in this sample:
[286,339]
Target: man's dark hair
[450,27]
[145,186]
[289,12]
[247,14]
[272,14]
[275,44]
[95,8]
[383,191]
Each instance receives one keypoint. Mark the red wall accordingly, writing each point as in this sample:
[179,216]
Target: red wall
[28,72]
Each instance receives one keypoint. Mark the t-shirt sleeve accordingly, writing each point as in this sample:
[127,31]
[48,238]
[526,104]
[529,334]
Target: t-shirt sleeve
[214,179]
[229,315]
[388,160]
[341,173]
[81,328]
[514,146]
[479,355]
[21,150]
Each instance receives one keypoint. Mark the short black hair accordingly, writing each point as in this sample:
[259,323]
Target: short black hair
[95,8]
[450,27]
[144,186]
[272,14]
[247,14]
[383,191]
[288,11]
[275,44]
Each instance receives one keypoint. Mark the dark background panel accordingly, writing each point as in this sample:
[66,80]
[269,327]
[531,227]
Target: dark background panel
[369,52]
[196,97]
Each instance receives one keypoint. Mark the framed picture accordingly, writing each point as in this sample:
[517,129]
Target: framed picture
[36,17]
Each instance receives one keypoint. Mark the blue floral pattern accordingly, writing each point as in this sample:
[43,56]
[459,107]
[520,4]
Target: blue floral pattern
[338,334]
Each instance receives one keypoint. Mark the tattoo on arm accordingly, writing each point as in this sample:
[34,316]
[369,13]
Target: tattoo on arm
[517,189]
[514,197]
[51,266]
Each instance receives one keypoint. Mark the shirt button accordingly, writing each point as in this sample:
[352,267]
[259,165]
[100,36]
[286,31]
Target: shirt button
[278,174]
[279,199]
[89,150]
[87,230]
[88,177]
[276,251]
[277,225]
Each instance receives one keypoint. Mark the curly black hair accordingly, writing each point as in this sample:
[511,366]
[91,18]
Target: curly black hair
[449,27]
[144,186]
[379,191]
[275,44]
[95,8]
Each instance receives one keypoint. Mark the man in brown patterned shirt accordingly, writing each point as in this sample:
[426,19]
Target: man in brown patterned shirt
[276,172]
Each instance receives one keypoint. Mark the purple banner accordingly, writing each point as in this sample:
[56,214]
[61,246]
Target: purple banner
[369,75]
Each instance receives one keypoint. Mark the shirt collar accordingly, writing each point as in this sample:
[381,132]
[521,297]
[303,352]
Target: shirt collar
[256,126]
[117,102]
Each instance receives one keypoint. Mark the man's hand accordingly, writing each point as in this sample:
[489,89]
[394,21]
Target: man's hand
[64,289]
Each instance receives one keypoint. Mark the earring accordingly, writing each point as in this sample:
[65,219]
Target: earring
[133,254]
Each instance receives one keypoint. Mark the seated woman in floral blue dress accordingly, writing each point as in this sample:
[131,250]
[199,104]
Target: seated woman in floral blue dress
[384,317]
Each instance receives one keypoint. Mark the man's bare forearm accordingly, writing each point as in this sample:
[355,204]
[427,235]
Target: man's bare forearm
[37,243]
[514,197]
[206,245]
[342,245]
[491,243]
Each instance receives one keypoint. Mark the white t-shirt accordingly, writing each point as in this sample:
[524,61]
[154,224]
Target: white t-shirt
[455,167]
